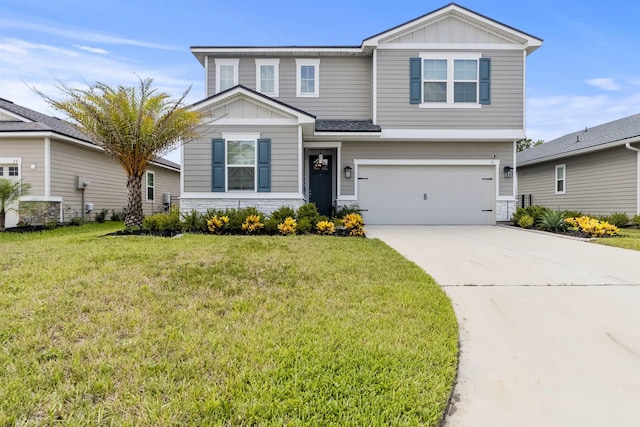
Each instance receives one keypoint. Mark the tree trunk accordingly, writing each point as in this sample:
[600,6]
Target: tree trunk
[3,217]
[134,215]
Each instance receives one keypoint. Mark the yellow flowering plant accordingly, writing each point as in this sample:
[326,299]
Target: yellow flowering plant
[288,226]
[326,227]
[216,223]
[592,227]
[252,224]
[354,224]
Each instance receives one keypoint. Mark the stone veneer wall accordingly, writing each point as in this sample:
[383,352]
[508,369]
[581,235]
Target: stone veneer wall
[505,209]
[264,205]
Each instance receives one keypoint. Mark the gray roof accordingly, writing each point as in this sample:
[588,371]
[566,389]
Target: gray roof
[617,131]
[40,122]
[323,125]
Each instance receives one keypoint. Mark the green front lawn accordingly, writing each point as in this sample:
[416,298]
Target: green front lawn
[219,330]
[629,238]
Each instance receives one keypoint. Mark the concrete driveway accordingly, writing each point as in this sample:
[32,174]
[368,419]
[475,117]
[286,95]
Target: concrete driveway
[549,326]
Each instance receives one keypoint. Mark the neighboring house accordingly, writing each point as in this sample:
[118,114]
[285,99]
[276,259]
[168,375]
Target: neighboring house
[416,125]
[67,171]
[595,171]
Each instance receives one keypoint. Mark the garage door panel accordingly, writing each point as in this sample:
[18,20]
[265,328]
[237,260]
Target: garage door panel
[393,194]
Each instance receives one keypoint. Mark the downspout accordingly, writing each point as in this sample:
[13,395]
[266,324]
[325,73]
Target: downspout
[629,147]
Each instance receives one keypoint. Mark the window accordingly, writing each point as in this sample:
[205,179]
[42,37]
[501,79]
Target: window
[1,171]
[241,162]
[561,186]
[308,77]
[13,171]
[267,76]
[151,186]
[241,165]
[450,80]
[226,73]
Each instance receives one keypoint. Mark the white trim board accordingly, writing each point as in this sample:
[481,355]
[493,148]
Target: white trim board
[240,195]
[449,134]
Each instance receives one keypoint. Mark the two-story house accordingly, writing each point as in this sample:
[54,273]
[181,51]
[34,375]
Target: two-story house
[416,125]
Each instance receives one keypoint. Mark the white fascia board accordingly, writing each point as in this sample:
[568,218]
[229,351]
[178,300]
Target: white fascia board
[454,134]
[323,144]
[275,50]
[347,134]
[580,152]
[426,162]
[450,46]
[222,121]
[239,195]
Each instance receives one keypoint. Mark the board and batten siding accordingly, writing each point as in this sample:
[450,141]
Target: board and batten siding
[345,85]
[108,189]
[506,110]
[32,152]
[284,156]
[414,150]
[599,183]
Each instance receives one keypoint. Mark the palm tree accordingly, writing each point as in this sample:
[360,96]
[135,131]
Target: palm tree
[134,125]
[10,192]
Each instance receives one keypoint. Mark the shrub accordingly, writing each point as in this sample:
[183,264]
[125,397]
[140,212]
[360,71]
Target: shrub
[552,220]
[574,214]
[50,224]
[237,217]
[526,221]
[343,211]
[216,224]
[288,226]
[636,220]
[163,222]
[536,212]
[117,215]
[592,227]
[326,227]
[619,219]
[277,217]
[354,224]
[308,217]
[102,216]
[252,224]
[519,213]
[193,222]
[76,221]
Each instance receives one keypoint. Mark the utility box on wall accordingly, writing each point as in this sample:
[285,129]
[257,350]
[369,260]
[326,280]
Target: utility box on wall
[82,183]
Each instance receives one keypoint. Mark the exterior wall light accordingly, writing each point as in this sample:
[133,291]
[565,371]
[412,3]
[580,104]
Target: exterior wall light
[508,172]
[347,172]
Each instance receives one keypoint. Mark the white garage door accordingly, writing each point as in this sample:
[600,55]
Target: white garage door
[427,195]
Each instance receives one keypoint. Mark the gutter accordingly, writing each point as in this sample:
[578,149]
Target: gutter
[629,147]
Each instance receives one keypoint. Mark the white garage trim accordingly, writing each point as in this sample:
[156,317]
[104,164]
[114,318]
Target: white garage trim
[424,162]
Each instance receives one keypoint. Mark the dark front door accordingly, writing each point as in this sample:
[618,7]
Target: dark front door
[320,180]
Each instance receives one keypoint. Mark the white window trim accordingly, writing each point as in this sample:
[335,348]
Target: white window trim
[240,137]
[150,186]
[564,179]
[226,61]
[450,57]
[276,76]
[313,62]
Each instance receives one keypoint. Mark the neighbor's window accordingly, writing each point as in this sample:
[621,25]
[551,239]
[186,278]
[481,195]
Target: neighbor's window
[450,79]
[151,186]
[1,171]
[13,171]
[226,73]
[561,172]
[308,77]
[267,76]
[241,165]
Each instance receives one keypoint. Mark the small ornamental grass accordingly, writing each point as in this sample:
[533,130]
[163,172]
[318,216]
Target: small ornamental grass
[216,223]
[592,227]
[354,224]
[288,226]
[326,227]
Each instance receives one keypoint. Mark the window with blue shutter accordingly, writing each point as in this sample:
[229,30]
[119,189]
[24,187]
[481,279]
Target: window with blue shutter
[415,80]
[264,165]
[485,81]
[218,165]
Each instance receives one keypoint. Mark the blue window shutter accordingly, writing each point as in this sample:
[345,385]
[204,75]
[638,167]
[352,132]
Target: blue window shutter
[217,165]
[264,165]
[415,80]
[485,81]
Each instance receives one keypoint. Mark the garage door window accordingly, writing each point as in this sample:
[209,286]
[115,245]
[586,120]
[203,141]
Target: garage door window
[561,179]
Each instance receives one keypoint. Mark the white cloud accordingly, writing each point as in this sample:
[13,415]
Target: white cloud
[97,50]
[604,84]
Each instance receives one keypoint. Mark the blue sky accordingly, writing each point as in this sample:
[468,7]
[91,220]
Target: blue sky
[586,73]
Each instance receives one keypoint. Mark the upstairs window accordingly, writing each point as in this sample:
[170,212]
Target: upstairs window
[226,73]
[308,77]
[268,76]
[561,172]
[450,80]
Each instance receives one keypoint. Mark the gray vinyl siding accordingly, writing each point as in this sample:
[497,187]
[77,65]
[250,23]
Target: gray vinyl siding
[401,150]
[345,86]
[284,157]
[32,153]
[507,93]
[599,183]
[108,189]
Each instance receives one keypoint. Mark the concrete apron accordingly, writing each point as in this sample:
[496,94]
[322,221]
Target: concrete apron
[549,326]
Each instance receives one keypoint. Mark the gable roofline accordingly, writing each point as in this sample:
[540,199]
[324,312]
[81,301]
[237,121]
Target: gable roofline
[302,116]
[531,42]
